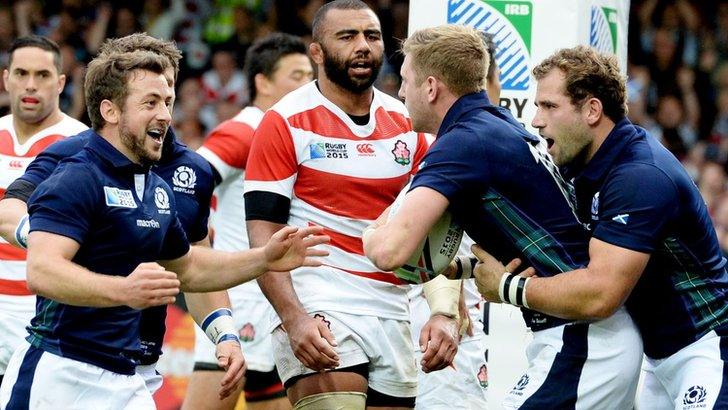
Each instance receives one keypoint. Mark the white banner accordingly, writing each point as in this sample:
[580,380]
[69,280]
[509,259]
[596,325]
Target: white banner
[527,31]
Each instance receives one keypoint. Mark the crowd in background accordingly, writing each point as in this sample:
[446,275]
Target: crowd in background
[677,70]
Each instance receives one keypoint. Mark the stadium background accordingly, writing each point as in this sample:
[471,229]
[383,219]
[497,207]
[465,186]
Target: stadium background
[677,82]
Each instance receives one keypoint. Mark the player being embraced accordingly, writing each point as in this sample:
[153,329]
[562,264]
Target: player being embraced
[275,65]
[192,182]
[494,178]
[97,225]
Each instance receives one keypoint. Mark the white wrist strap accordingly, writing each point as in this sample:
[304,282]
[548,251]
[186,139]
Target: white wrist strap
[22,230]
[219,326]
[442,296]
[512,289]
[464,267]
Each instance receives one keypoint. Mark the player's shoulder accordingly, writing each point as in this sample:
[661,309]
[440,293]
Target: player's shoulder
[389,103]
[67,147]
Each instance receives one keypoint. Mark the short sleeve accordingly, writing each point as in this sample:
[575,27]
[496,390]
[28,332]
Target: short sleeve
[176,244]
[46,161]
[452,164]
[635,205]
[55,208]
[272,164]
[227,147]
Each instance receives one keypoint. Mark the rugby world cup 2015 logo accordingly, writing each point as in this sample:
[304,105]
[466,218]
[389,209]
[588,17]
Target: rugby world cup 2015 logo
[603,29]
[510,22]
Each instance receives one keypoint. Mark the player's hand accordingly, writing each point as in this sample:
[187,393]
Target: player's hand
[149,285]
[439,340]
[489,271]
[292,247]
[230,357]
[312,342]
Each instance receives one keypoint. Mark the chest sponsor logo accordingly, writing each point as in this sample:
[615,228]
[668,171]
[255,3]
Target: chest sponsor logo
[330,150]
[401,153]
[365,150]
[184,180]
[147,223]
[161,199]
[122,198]
[694,398]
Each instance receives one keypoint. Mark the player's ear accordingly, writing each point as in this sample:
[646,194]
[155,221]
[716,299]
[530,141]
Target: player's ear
[432,88]
[262,84]
[593,110]
[110,112]
[317,53]
[61,82]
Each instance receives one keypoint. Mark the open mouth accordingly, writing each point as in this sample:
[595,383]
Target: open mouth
[29,100]
[549,142]
[361,67]
[157,134]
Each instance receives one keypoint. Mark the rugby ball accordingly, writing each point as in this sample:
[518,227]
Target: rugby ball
[435,252]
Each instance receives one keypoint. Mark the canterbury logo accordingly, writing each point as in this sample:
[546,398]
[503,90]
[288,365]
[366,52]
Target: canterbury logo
[15,164]
[365,149]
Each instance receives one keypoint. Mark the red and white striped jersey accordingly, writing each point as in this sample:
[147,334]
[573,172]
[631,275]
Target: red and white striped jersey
[226,149]
[14,158]
[341,176]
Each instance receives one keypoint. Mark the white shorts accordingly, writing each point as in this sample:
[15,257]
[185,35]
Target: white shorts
[464,387]
[252,318]
[152,379]
[38,380]
[15,315]
[581,366]
[692,378]
[386,344]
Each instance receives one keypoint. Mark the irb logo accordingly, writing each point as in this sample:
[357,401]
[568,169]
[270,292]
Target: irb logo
[603,29]
[510,22]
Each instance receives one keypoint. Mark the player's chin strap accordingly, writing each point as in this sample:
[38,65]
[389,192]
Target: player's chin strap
[220,327]
[22,230]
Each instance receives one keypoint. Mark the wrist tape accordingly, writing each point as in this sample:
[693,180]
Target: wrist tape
[512,289]
[219,326]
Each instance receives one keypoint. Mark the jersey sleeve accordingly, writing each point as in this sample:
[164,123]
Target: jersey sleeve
[454,163]
[227,147]
[273,164]
[55,208]
[635,205]
[46,162]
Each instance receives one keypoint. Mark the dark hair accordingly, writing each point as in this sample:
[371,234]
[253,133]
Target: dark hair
[320,16]
[589,74]
[263,56]
[144,42]
[107,78]
[44,43]
[490,46]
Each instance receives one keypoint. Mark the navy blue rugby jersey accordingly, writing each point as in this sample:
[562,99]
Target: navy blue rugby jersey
[635,194]
[505,192]
[190,177]
[121,215]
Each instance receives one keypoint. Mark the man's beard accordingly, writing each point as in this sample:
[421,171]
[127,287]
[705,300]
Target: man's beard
[338,72]
[135,145]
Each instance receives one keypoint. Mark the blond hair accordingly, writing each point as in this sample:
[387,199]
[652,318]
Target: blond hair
[454,54]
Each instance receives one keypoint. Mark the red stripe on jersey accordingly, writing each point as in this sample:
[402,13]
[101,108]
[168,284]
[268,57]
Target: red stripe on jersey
[348,244]
[7,146]
[11,253]
[272,154]
[321,121]
[2,193]
[14,287]
[388,277]
[213,203]
[231,141]
[351,197]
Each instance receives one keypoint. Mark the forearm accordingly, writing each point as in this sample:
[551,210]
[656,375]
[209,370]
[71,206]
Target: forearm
[276,286]
[207,270]
[201,304]
[67,282]
[12,210]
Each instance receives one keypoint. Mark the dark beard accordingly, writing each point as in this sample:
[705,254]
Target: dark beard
[338,72]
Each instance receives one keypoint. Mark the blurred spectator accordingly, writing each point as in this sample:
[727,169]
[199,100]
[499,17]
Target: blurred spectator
[672,125]
[712,184]
[190,132]
[160,17]
[225,82]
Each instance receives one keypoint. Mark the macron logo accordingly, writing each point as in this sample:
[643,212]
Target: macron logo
[148,223]
[621,218]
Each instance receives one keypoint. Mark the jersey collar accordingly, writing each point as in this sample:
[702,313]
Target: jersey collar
[109,154]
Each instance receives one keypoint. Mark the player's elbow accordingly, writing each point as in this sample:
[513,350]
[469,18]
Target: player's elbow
[386,259]
[600,307]
[35,277]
